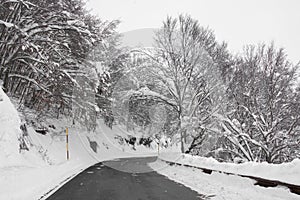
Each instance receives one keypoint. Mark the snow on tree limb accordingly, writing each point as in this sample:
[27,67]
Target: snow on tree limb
[7,24]
[31,81]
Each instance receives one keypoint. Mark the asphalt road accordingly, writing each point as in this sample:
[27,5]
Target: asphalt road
[123,179]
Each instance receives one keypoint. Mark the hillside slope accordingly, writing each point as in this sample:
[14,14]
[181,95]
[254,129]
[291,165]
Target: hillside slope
[44,166]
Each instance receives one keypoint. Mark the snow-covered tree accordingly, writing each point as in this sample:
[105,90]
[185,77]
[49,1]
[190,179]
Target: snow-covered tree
[110,60]
[44,48]
[180,73]
[264,117]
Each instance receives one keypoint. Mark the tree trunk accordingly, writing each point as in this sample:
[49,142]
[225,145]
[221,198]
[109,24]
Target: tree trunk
[5,80]
[181,141]
[1,71]
[181,136]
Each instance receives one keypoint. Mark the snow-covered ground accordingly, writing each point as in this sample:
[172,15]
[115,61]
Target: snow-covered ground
[218,186]
[31,174]
[221,186]
[286,172]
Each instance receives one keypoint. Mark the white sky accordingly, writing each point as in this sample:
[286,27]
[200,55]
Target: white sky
[238,22]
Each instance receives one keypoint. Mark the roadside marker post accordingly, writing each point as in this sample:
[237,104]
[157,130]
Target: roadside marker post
[67,142]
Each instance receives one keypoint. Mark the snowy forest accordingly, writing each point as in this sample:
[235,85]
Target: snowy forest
[57,59]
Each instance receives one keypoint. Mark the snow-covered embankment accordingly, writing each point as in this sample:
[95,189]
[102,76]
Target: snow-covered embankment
[28,175]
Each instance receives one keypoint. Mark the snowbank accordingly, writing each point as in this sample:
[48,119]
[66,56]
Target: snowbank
[9,133]
[218,186]
[286,172]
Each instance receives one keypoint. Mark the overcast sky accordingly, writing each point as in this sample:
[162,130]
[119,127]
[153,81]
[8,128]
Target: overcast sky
[238,22]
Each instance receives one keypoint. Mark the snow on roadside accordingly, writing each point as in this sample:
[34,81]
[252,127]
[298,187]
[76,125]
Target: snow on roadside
[218,186]
[28,175]
[285,172]
[31,182]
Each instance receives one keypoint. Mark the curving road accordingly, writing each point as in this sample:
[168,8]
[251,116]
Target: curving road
[123,179]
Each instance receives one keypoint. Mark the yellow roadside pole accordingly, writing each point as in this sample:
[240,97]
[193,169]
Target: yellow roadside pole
[67,143]
[158,148]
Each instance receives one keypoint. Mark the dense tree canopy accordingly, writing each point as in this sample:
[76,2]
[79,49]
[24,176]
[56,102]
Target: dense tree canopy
[45,49]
